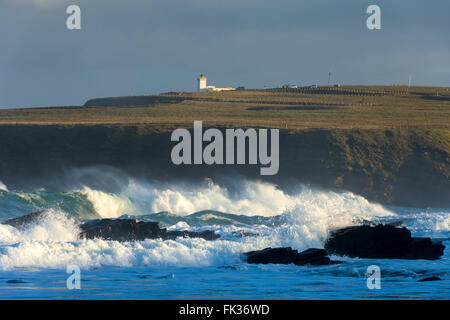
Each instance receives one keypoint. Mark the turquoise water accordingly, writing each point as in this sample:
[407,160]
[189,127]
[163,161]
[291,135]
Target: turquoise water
[33,261]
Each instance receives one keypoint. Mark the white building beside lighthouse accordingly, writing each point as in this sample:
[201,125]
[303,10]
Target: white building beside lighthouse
[202,86]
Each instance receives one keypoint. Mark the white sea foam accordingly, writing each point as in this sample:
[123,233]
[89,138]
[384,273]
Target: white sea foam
[309,215]
[255,198]
[443,224]
[435,223]
[54,226]
[3,186]
[180,226]
[98,253]
[108,205]
[52,242]
[315,213]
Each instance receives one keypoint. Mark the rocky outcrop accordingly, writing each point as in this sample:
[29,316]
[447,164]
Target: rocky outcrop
[133,230]
[433,278]
[207,235]
[382,242]
[396,167]
[121,230]
[25,220]
[118,229]
[315,257]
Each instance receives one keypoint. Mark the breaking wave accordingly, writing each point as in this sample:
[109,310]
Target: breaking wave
[3,187]
[259,215]
[252,199]
[108,205]
[54,226]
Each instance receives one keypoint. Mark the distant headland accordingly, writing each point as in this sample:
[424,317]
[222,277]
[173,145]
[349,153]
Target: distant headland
[387,143]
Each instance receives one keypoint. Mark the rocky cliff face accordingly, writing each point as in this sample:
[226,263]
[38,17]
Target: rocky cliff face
[409,168]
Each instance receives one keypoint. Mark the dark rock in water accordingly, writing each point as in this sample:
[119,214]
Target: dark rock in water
[207,235]
[287,255]
[121,230]
[242,234]
[433,278]
[132,230]
[25,220]
[16,281]
[382,242]
[118,229]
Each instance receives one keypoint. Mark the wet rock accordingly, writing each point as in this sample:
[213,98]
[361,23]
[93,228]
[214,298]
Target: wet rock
[16,281]
[132,230]
[207,235]
[433,278]
[288,255]
[25,220]
[382,242]
[118,229]
[121,230]
[242,234]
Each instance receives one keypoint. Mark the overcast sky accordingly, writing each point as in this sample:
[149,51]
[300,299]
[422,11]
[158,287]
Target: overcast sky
[128,47]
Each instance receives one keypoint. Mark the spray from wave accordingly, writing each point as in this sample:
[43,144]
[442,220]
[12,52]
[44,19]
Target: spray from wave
[3,187]
[253,199]
[270,217]
[108,205]
[53,226]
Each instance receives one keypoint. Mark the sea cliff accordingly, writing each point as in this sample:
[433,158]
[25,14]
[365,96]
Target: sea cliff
[395,167]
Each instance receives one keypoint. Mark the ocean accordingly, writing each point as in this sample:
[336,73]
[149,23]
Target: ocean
[34,260]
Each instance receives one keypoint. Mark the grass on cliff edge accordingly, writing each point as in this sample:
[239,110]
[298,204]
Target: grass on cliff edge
[385,151]
[347,107]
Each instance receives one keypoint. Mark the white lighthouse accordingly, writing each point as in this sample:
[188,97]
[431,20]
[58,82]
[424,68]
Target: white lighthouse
[202,83]
[203,87]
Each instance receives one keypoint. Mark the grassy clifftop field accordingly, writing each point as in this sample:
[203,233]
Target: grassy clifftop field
[376,107]
[387,143]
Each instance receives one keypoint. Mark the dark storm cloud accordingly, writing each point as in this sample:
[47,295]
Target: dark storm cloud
[141,46]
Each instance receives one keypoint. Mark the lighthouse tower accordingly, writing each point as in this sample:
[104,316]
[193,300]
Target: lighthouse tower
[202,83]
